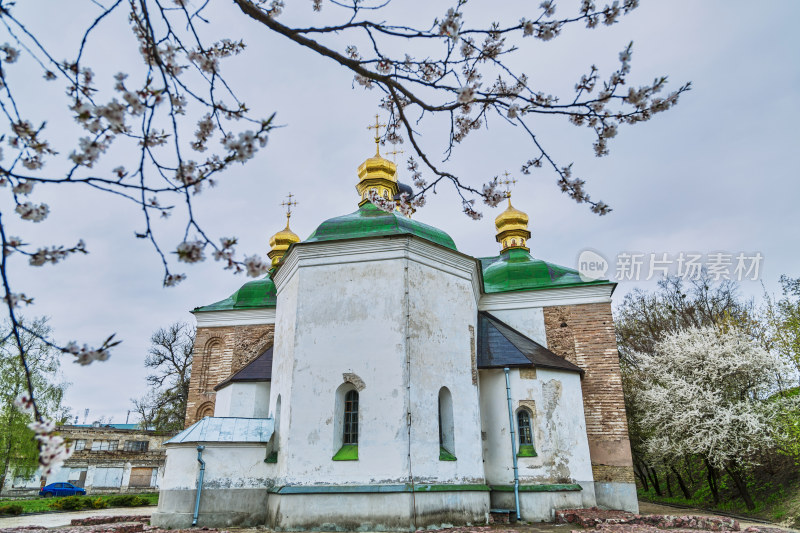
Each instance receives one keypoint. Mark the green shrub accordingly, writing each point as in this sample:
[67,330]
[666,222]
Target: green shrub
[12,509]
[99,503]
[72,503]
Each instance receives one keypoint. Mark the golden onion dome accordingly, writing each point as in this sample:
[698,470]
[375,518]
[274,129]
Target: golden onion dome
[510,216]
[280,242]
[376,173]
[512,228]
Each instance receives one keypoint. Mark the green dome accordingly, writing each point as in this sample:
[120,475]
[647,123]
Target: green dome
[517,270]
[369,221]
[253,294]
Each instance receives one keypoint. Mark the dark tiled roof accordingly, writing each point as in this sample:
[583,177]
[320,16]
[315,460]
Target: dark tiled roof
[259,369]
[500,345]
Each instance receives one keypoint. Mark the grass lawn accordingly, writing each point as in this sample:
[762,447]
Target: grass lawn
[42,505]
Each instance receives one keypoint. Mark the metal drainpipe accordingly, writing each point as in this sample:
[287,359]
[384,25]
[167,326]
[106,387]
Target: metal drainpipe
[513,443]
[408,394]
[199,484]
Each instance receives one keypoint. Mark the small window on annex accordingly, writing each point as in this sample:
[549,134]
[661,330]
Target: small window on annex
[347,426]
[526,448]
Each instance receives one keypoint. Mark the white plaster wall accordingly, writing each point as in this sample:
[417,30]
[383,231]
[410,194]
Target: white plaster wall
[227,466]
[243,399]
[282,366]
[528,321]
[559,427]
[442,307]
[348,319]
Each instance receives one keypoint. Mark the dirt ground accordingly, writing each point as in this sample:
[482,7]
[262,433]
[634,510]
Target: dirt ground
[56,520]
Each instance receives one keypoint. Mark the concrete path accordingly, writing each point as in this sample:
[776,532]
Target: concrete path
[63,519]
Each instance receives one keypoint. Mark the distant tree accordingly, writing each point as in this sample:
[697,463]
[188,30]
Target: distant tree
[703,393]
[170,359]
[782,332]
[784,320]
[18,445]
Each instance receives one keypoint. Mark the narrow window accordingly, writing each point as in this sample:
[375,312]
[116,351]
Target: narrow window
[350,434]
[526,448]
[446,429]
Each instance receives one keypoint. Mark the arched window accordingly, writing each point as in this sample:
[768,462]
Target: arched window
[277,420]
[447,448]
[350,426]
[345,432]
[526,448]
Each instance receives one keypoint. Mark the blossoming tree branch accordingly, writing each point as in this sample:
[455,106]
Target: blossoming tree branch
[140,120]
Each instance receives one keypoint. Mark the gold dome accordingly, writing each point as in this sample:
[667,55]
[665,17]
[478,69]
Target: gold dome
[512,228]
[280,242]
[379,174]
[376,172]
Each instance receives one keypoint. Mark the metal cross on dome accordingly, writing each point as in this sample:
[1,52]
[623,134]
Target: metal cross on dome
[288,204]
[377,127]
[508,183]
[394,153]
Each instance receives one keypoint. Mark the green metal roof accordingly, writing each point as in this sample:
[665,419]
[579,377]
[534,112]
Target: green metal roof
[369,221]
[253,294]
[517,270]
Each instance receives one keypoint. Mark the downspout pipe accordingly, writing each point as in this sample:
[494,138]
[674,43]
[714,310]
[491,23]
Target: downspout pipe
[513,443]
[199,483]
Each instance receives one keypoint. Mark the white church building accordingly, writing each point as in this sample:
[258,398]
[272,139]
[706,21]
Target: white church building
[379,379]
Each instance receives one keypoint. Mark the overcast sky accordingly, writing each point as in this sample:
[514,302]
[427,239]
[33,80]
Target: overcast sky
[718,173]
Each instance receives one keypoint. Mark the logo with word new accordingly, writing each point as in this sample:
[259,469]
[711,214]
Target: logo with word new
[592,266]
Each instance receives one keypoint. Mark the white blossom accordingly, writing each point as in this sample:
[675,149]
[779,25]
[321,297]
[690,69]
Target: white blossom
[32,212]
[85,355]
[470,211]
[170,280]
[191,251]
[491,196]
[12,54]
[255,266]
[549,8]
[14,299]
[24,403]
[466,94]
[528,26]
[23,187]
[451,25]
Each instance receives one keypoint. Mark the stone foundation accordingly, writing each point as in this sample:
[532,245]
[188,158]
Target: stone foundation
[218,508]
[541,506]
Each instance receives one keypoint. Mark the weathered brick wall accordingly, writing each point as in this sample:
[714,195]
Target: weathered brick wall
[218,353]
[584,334]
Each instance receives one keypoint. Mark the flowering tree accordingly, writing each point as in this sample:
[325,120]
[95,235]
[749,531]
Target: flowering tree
[702,393]
[172,126]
